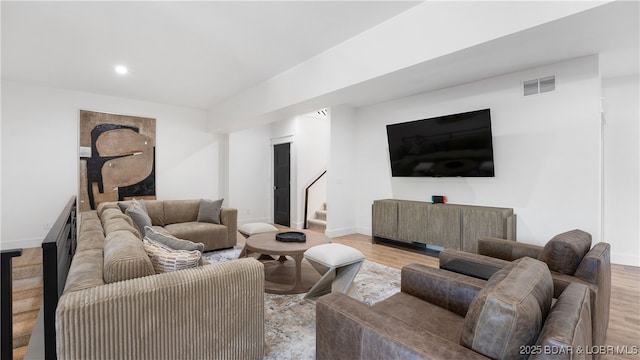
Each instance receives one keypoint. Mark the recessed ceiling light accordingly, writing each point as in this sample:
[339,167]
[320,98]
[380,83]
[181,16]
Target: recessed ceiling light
[120,69]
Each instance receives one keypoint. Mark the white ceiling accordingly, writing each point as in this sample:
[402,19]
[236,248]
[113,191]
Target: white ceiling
[611,30]
[198,54]
[193,54]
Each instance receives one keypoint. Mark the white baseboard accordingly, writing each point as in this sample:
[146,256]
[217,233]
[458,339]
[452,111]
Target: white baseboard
[331,233]
[297,225]
[20,244]
[363,231]
[625,259]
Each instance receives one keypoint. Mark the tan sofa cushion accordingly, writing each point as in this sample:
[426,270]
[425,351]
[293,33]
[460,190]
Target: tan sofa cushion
[180,211]
[85,270]
[91,234]
[110,214]
[89,220]
[125,257]
[155,210]
[198,232]
[90,239]
[118,224]
[106,205]
[509,311]
[91,224]
[565,251]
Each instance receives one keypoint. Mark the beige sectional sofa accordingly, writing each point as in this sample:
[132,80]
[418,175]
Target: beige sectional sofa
[114,305]
[180,219]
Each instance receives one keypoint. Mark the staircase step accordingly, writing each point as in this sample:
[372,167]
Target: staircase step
[317,224]
[26,284]
[25,305]
[19,353]
[22,332]
[321,214]
[26,271]
[30,256]
[26,316]
[27,293]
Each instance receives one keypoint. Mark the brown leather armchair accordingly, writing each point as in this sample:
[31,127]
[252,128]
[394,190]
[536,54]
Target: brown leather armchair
[570,259]
[440,314]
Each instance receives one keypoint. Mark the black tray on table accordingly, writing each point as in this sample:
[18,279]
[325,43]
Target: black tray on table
[291,236]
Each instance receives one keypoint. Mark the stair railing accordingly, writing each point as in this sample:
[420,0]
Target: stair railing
[7,302]
[306,198]
[58,248]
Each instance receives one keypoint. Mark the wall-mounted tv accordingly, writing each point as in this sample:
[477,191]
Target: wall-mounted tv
[457,145]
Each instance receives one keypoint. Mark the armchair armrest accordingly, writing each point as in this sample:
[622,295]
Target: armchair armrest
[229,218]
[507,249]
[595,266]
[349,329]
[448,255]
[445,289]
[595,269]
[193,313]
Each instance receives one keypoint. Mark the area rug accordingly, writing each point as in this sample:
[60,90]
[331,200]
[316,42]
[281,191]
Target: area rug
[290,320]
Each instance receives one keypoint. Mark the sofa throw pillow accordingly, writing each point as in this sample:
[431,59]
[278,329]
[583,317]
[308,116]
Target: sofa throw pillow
[173,242]
[139,217]
[165,259]
[210,211]
[123,205]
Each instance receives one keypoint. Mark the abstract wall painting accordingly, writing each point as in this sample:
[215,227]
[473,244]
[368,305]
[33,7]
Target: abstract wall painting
[117,158]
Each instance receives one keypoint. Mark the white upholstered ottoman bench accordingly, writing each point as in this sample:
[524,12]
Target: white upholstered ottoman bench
[250,229]
[339,265]
[255,228]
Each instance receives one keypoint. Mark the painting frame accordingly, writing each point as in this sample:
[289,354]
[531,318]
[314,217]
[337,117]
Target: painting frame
[116,158]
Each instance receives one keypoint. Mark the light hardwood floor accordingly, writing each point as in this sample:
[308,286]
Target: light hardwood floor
[624,322]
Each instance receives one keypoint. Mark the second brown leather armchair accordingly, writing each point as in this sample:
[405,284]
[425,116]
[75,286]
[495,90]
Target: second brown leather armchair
[570,259]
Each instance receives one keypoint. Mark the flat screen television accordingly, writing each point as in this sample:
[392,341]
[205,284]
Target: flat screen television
[457,145]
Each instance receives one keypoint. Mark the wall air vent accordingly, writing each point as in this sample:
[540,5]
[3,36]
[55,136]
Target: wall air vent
[547,84]
[530,87]
[537,86]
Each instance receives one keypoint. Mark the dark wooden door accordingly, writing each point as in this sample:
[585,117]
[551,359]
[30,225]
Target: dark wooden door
[281,180]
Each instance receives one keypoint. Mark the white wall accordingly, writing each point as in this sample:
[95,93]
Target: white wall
[250,174]
[251,165]
[546,150]
[621,168]
[40,154]
[344,179]
[312,153]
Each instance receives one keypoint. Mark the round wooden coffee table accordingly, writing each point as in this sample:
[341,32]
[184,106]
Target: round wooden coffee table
[283,276]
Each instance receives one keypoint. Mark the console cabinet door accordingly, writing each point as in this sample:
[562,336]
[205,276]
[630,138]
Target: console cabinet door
[479,222]
[384,222]
[413,222]
[445,226]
